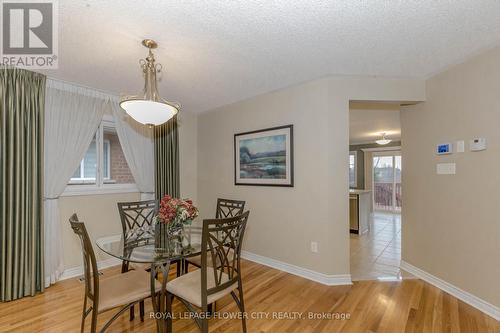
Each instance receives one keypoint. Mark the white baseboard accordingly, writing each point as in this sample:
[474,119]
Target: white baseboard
[78,271]
[329,280]
[474,301]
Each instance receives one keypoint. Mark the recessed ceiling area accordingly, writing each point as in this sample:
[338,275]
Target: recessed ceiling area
[368,120]
[218,52]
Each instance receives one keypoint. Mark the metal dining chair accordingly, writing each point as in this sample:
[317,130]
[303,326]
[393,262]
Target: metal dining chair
[202,287]
[225,208]
[122,290]
[137,219]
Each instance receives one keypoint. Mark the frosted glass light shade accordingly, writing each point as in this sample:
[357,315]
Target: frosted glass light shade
[149,112]
[383,141]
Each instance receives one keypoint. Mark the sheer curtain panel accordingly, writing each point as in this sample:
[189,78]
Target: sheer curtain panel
[137,143]
[72,116]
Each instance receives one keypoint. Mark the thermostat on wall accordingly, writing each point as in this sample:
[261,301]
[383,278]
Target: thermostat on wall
[477,144]
[444,148]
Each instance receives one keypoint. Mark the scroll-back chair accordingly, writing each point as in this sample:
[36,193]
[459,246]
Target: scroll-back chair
[122,290]
[136,218]
[205,286]
[225,208]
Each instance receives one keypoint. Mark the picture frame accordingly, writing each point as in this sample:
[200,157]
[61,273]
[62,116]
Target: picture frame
[264,157]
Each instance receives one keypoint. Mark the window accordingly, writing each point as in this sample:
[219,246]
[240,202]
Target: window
[353,169]
[87,170]
[104,167]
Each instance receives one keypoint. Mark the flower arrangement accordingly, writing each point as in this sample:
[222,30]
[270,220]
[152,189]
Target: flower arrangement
[176,211]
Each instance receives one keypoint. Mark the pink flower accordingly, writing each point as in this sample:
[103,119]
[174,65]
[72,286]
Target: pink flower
[172,208]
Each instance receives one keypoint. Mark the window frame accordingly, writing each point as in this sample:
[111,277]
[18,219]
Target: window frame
[100,186]
[108,157]
[355,154]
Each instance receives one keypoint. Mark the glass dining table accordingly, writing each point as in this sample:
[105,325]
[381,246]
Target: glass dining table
[140,248]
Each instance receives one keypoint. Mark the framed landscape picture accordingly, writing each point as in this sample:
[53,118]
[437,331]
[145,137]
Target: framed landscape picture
[264,157]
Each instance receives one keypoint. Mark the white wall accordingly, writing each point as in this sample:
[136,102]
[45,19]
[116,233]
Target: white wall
[451,223]
[283,221]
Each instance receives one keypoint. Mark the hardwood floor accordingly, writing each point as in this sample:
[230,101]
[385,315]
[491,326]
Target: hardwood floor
[373,306]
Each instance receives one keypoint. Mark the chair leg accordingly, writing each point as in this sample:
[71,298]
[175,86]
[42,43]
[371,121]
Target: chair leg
[209,310]
[169,300]
[124,270]
[204,325]
[84,315]
[141,309]
[93,327]
[186,268]
[178,268]
[132,313]
[124,266]
[242,309]
[204,319]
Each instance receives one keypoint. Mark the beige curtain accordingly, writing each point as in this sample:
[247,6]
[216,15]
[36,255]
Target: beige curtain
[167,159]
[22,100]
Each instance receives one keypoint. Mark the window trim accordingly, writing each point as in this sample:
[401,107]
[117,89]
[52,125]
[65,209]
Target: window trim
[81,189]
[108,157]
[355,154]
[99,185]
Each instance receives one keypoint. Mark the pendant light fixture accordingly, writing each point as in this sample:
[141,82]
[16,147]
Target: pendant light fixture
[383,140]
[149,108]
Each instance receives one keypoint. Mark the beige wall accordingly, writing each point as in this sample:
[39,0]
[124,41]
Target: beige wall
[450,222]
[284,221]
[100,213]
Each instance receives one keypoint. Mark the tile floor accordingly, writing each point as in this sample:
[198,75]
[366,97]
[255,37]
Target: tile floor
[376,255]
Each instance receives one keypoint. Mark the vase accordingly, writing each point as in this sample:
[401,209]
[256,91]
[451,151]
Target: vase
[169,237]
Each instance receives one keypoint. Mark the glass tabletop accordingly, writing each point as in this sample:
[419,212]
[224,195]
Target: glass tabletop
[140,248]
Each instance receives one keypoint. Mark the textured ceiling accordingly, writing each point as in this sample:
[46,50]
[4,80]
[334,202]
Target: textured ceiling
[219,52]
[368,120]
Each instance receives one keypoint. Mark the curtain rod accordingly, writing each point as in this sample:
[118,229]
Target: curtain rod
[79,88]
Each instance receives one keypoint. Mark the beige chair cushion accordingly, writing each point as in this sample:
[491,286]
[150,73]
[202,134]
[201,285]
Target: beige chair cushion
[188,287]
[139,266]
[197,259]
[124,288]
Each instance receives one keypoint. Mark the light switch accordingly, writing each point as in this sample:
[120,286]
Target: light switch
[446,168]
[460,146]
[314,247]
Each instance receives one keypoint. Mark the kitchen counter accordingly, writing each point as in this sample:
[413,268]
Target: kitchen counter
[359,210]
[356,191]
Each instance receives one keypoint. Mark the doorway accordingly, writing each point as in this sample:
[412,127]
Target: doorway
[375,189]
[387,167]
